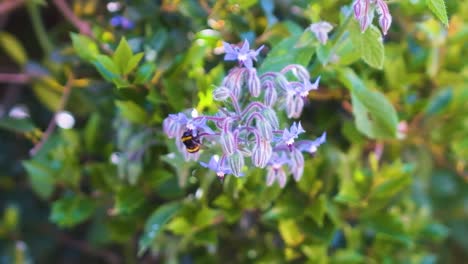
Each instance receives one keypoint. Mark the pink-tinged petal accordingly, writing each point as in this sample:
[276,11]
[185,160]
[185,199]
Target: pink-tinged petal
[281,177]
[270,177]
[357,9]
[385,23]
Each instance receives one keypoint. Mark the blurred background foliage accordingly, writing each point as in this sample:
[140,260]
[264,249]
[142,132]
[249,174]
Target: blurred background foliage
[389,186]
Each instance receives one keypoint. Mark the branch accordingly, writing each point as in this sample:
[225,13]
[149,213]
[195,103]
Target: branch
[53,123]
[84,247]
[19,78]
[10,5]
[81,25]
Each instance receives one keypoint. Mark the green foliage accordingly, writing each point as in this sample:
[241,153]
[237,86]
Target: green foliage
[388,186]
[439,9]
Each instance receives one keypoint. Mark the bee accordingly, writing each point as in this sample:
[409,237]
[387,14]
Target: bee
[191,141]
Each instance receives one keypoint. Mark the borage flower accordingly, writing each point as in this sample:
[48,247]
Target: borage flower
[275,169]
[290,135]
[218,166]
[245,56]
[321,30]
[246,128]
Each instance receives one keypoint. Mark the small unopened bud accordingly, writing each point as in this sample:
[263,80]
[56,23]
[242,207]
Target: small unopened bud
[236,163]
[299,105]
[228,142]
[270,117]
[270,95]
[301,73]
[282,82]
[253,82]
[264,129]
[294,105]
[221,93]
[261,154]
[385,18]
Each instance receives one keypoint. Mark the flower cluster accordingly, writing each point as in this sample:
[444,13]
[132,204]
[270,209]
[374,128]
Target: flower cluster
[364,13]
[247,128]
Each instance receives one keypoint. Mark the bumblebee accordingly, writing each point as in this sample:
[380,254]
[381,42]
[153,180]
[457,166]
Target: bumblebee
[191,141]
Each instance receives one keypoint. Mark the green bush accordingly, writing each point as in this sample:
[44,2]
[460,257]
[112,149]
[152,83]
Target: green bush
[89,175]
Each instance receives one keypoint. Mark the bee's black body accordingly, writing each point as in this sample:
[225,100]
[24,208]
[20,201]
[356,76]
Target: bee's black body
[191,141]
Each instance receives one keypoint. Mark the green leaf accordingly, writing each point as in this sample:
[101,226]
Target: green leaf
[128,199]
[132,111]
[72,210]
[156,223]
[286,52]
[22,125]
[144,73]
[369,44]
[13,48]
[318,209]
[41,178]
[106,67]
[133,62]
[84,46]
[439,102]
[375,116]
[438,8]
[122,56]
[290,232]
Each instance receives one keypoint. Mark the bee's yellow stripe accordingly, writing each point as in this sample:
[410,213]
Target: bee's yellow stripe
[194,149]
[186,138]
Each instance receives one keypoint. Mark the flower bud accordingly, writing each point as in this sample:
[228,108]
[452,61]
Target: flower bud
[297,164]
[301,73]
[236,163]
[228,142]
[264,129]
[299,105]
[270,117]
[253,82]
[261,154]
[385,18]
[270,95]
[221,93]
[282,82]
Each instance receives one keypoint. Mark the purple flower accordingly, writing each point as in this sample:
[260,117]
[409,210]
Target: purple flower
[291,134]
[175,124]
[385,18]
[321,29]
[311,146]
[307,86]
[275,169]
[219,167]
[244,55]
[364,14]
[122,21]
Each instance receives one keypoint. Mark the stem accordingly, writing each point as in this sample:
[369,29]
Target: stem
[235,104]
[341,31]
[53,123]
[38,27]
[258,105]
[7,6]
[82,26]
[19,78]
